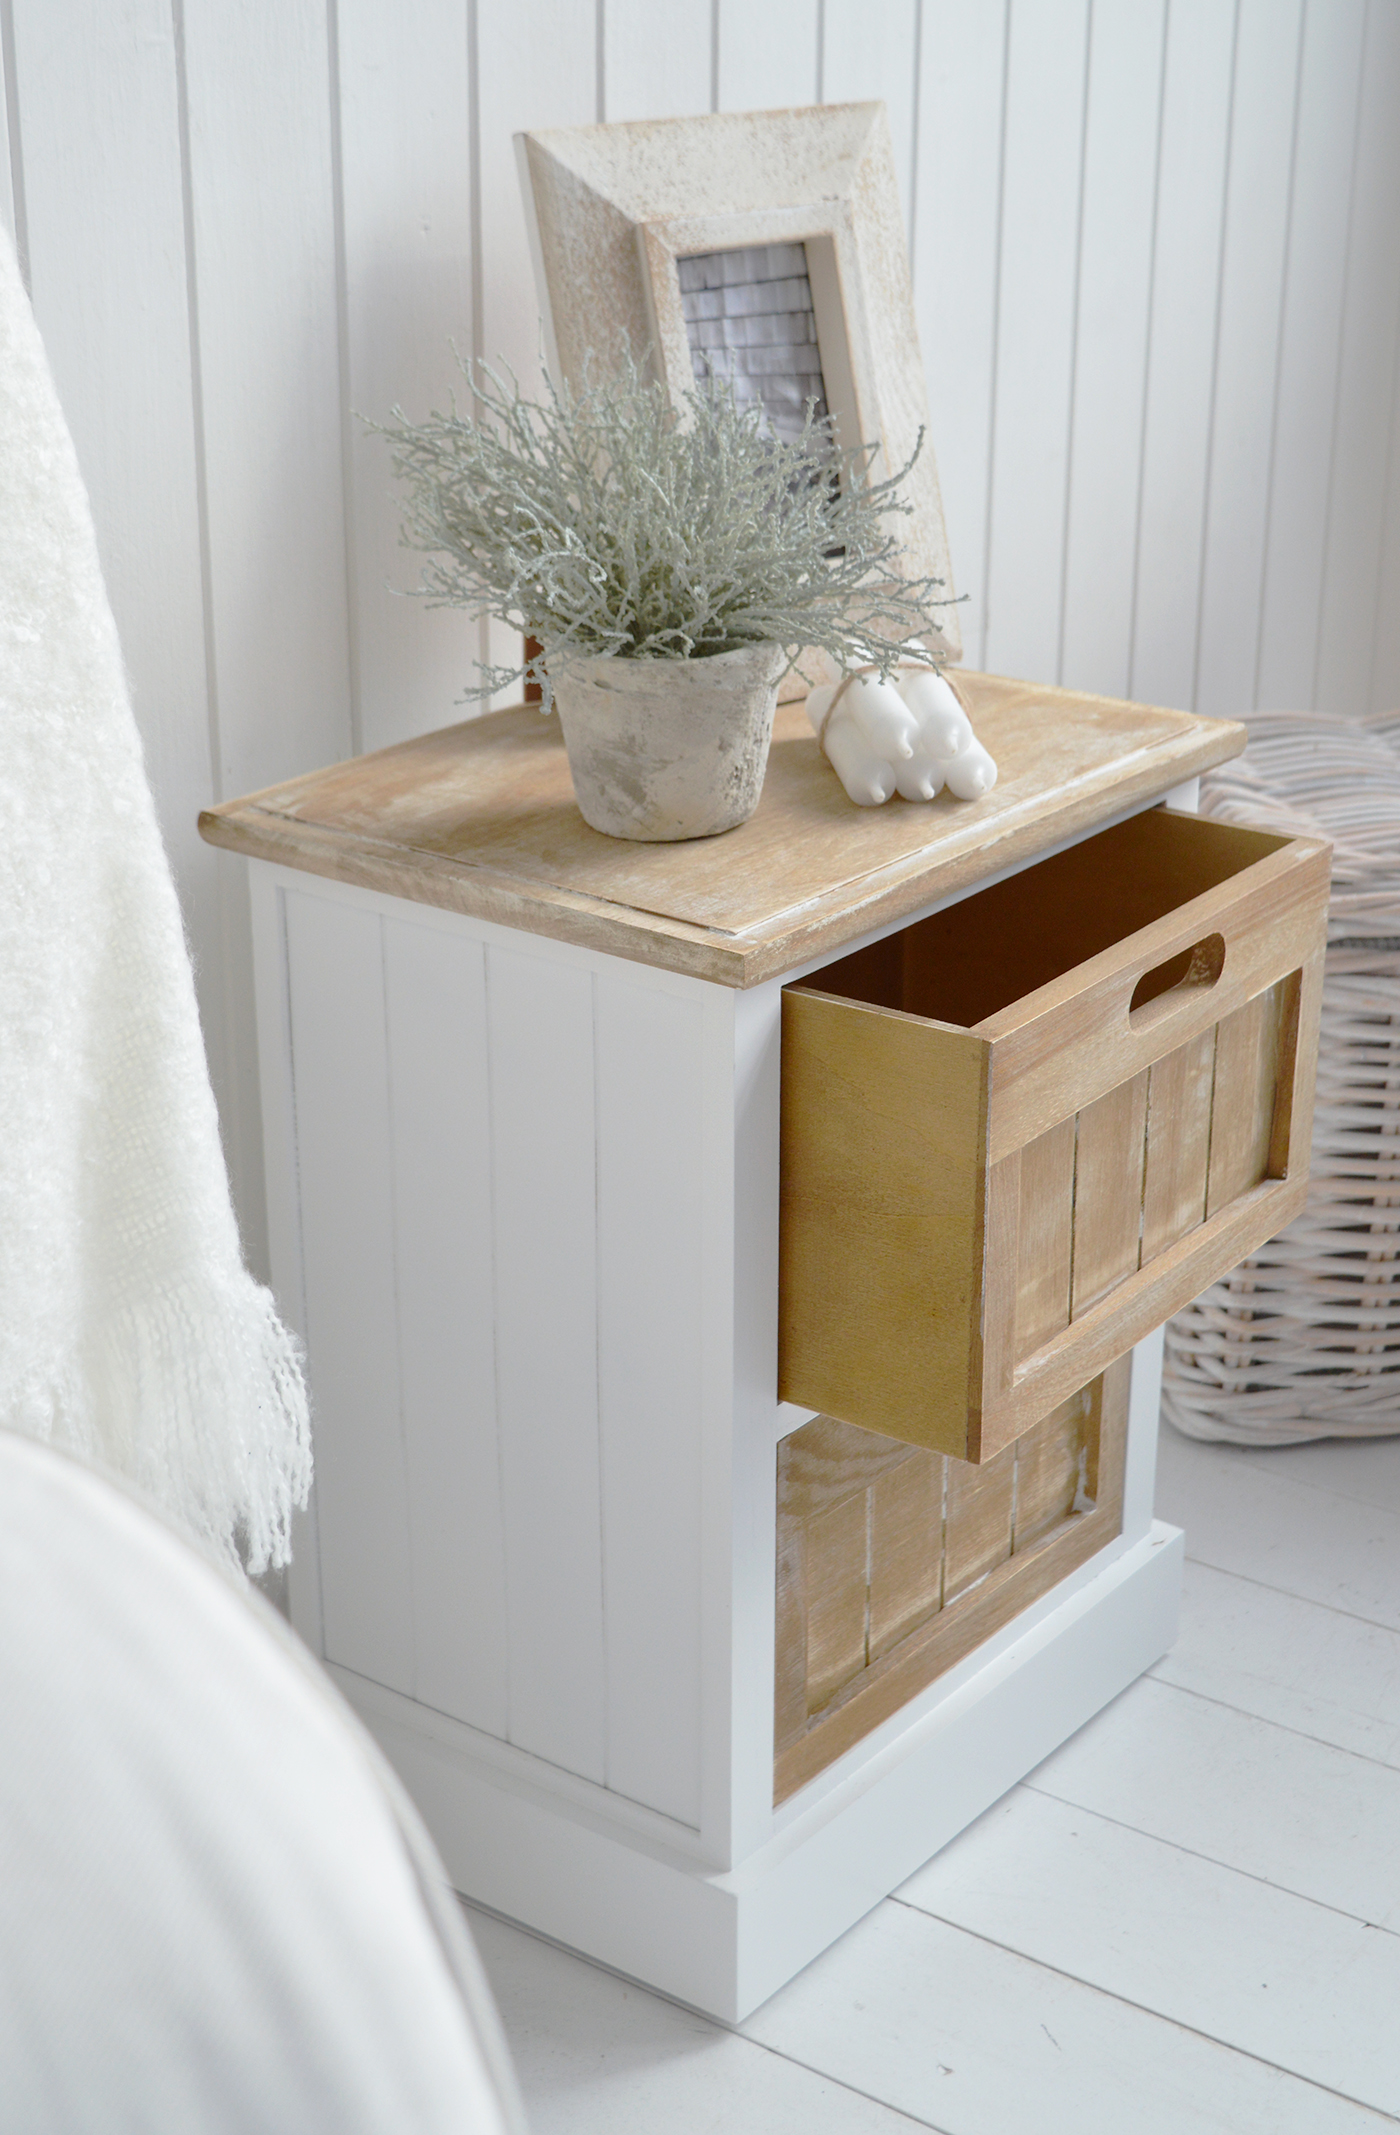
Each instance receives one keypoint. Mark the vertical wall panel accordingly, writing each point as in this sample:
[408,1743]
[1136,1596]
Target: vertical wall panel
[1181,360]
[1246,362]
[440,1125]
[108,279]
[1035,337]
[1352,584]
[870,50]
[558,87]
[96,91]
[657,65]
[263,304]
[956,236]
[340,1075]
[264,236]
[1384,692]
[1329,88]
[541,1025]
[406,194]
[767,55]
[9,143]
[1110,353]
[651,1192]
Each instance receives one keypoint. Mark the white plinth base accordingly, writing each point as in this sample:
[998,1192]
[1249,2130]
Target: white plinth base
[724,1943]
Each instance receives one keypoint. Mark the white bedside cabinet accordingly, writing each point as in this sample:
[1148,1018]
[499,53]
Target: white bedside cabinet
[681,1674]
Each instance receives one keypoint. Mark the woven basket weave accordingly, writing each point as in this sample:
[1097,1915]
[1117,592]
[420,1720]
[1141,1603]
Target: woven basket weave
[1303,1340]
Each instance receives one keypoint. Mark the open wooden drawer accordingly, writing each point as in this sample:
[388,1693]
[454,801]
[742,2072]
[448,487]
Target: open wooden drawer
[1022,1133]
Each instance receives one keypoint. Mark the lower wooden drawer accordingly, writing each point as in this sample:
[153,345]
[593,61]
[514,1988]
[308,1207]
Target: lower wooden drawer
[895,1563]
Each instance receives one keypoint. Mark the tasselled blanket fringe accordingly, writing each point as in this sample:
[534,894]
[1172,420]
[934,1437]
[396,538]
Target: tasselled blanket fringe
[910,735]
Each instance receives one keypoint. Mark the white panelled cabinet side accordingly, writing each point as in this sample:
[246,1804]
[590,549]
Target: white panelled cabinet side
[731,1305]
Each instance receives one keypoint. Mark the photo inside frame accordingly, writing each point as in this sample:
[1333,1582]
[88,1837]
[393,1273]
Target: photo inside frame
[750,318]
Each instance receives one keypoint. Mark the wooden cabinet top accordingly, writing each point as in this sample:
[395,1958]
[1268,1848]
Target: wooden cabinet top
[480,818]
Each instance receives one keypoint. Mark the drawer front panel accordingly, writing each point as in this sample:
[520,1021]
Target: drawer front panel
[1102,1195]
[1180,1099]
[1170,1175]
[895,1563]
[1080,1037]
[975,1221]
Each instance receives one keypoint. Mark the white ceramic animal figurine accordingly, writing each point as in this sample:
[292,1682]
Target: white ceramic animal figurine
[947,752]
[865,735]
[909,735]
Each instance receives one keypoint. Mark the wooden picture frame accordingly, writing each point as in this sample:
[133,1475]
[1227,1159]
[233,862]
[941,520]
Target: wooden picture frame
[612,210]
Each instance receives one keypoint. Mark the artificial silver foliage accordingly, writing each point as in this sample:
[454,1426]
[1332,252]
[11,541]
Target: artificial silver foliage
[606,521]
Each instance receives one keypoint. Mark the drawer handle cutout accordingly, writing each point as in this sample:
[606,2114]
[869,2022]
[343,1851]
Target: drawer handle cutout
[1191,971]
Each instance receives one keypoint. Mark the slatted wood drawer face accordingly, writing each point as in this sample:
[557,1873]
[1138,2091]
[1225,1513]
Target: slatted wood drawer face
[1022,1133]
[895,1563]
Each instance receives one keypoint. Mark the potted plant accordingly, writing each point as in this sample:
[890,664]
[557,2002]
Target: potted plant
[672,564]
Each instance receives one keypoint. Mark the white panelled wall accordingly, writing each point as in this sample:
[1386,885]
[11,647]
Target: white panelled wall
[1158,280]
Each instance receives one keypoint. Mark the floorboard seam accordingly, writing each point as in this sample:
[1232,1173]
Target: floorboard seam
[671,2001]
[825,2075]
[1126,2002]
[1288,1593]
[1192,1853]
[1244,1466]
[1342,1749]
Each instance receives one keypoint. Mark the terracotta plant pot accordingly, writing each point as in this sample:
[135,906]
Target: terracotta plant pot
[666,749]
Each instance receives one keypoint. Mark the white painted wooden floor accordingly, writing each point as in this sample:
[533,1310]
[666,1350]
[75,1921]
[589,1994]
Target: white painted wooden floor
[1187,1919]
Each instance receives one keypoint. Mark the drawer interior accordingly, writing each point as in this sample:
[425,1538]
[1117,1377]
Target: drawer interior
[967,963]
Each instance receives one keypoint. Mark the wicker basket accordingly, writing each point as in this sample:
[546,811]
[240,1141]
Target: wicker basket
[1303,1340]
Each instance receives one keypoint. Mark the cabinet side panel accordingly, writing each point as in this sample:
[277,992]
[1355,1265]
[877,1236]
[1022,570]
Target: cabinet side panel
[340,1074]
[439,1098]
[651,1186]
[540,1021]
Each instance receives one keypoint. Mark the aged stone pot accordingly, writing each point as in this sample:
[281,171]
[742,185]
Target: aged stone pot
[665,749]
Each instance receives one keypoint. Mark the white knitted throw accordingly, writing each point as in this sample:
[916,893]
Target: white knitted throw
[130,1331]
